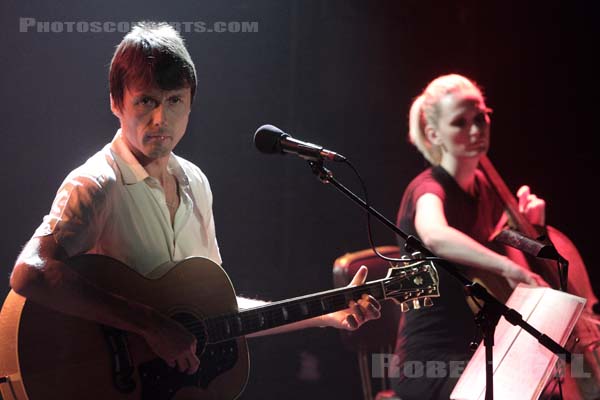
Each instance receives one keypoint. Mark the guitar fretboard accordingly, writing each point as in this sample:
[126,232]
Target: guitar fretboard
[276,314]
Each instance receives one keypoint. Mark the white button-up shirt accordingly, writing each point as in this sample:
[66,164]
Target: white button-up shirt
[111,206]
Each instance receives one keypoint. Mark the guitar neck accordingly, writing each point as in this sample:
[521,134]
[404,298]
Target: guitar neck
[285,312]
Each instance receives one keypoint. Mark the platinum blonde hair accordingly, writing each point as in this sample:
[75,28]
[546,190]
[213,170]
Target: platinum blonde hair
[425,110]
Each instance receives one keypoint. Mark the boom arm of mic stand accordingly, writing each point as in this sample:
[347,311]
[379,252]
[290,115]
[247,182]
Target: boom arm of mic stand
[325,176]
[492,310]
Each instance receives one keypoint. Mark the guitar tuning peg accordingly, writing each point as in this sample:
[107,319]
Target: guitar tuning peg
[416,304]
[404,307]
[427,302]
[405,259]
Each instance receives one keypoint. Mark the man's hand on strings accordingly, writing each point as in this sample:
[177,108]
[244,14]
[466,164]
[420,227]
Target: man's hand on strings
[173,343]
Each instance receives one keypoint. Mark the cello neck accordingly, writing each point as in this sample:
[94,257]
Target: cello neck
[510,202]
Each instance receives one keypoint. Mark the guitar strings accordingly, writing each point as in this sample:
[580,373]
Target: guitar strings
[219,328]
[216,326]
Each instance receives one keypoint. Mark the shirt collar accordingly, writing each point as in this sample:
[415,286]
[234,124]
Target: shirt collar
[132,171]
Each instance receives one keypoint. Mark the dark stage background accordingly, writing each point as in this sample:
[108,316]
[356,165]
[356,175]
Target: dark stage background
[338,73]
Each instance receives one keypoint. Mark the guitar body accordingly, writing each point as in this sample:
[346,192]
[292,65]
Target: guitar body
[50,355]
[46,354]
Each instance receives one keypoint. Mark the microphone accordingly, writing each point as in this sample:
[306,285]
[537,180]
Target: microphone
[536,248]
[269,139]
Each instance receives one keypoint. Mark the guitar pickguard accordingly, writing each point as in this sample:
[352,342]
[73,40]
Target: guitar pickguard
[161,382]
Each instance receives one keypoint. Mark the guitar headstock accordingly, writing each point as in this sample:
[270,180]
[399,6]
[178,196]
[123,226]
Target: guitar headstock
[408,284]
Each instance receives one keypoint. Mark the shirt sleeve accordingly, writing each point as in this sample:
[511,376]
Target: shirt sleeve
[77,215]
[422,184]
[428,185]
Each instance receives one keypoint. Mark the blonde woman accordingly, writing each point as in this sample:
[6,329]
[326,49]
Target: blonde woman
[452,208]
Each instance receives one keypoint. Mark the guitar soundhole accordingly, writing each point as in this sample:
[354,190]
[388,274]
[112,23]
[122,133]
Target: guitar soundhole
[193,325]
[160,382]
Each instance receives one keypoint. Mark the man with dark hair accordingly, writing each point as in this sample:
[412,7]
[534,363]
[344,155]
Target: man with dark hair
[137,202]
[144,58]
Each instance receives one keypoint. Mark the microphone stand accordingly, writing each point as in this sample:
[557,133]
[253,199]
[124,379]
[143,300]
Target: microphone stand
[489,315]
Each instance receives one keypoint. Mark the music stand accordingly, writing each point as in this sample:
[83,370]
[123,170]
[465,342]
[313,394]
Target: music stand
[522,366]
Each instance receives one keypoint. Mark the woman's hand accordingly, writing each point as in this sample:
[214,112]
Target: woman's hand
[516,274]
[532,206]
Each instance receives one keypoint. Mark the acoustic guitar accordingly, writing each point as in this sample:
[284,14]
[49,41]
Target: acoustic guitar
[50,355]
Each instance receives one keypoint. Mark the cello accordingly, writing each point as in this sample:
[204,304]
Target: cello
[586,334]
